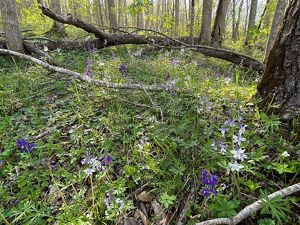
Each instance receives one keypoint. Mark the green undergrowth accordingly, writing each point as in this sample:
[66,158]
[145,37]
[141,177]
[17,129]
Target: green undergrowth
[160,141]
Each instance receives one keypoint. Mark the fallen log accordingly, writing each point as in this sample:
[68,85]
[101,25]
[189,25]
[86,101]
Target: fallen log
[85,78]
[254,207]
[105,40]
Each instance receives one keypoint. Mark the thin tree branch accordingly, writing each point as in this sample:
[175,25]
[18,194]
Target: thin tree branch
[254,207]
[86,78]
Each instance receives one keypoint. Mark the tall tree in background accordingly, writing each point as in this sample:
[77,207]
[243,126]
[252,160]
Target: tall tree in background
[236,19]
[205,35]
[112,13]
[252,19]
[11,25]
[278,16]
[280,84]
[219,24]
[192,20]
[57,27]
[176,17]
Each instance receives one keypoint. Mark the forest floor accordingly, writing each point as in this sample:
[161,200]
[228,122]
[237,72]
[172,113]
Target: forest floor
[73,153]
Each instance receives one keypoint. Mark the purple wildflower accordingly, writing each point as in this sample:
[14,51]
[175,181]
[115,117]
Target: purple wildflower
[24,146]
[88,71]
[214,145]
[242,129]
[238,139]
[205,192]
[211,181]
[223,131]
[105,160]
[91,47]
[1,163]
[168,77]
[88,62]
[123,69]
[223,148]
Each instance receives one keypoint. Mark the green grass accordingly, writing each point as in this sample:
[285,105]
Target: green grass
[157,139]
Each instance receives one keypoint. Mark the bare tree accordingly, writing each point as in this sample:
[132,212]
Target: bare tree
[192,20]
[112,13]
[236,19]
[11,25]
[280,84]
[252,19]
[219,24]
[205,35]
[278,16]
[57,27]
[176,16]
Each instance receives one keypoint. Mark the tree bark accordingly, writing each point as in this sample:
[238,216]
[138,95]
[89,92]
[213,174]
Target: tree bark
[176,16]
[10,20]
[57,27]
[252,18]
[192,20]
[280,84]
[219,24]
[205,35]
[112,13]
[278,16]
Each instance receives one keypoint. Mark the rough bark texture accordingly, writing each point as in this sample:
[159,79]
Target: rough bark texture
[176,16]
[57,27]
[252,18]
[219,24]
[278,16]
[281,81]
[10,20]
[192,20]
[205,35]
[112,13]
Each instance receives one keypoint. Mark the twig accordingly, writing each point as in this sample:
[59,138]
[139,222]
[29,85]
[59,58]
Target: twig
[86,78]
[250,209]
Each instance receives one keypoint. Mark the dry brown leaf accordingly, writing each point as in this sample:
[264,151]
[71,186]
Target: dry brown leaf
[158,210]
[144,197]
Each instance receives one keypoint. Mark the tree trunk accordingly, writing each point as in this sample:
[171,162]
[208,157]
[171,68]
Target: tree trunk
[280,84]
[205,35]
[176,27]
[126,16]
[192,20]
[252,18]
[234,33]
[57,27]
[10,20]
[219,24]
[112,14]
[278,16]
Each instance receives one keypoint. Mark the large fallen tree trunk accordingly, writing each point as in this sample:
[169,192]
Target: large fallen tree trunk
[104,40]
[85,78]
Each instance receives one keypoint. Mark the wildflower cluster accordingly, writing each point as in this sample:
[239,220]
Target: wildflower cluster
[123,69]
[210,181]
[88,67]
[24,146]
[96,163]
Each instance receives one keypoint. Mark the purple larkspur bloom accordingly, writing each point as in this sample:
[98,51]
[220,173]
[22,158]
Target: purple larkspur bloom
[205,192]
[214,145]
[106,160]
[168,77]
[242,129]
[239,154]
[88,71]
[88,62]
[24,146]
[91,47]
[232,123]
[238,139]
[210,181]
[223,148]
[1,163]
[223,131]
[123,69]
